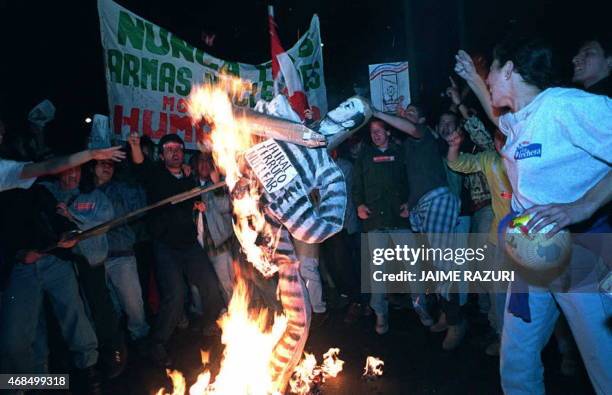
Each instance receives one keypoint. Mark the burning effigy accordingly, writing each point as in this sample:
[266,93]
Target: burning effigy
[272,165]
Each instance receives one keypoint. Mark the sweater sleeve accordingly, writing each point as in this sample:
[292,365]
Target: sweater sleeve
[479,133]
[466,163]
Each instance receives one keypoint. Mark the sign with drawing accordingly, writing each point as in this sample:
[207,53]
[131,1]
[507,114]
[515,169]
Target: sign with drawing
[389,85]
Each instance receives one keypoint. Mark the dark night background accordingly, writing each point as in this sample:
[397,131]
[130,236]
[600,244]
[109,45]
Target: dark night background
[51,49]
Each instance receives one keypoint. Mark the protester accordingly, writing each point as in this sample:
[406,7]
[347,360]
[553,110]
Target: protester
[572,129]
[87,207]
[434,211]
[490,163]
[120,264]
[592,66]
[381,194]
[15,174]
[214,224]
[33,269]
[177,252]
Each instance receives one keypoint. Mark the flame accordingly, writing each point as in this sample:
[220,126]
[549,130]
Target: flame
[178,383]
[308,374]
[230,138]
[245,366]
[249,340]
[332,365]
[374,367]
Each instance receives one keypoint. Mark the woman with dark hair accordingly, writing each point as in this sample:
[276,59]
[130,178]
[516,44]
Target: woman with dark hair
[557,155]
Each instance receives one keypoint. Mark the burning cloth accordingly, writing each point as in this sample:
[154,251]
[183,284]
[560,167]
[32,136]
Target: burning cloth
[280,190]
[289,174]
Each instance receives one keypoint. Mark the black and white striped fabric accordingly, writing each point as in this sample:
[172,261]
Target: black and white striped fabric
[292,205]
[290,212]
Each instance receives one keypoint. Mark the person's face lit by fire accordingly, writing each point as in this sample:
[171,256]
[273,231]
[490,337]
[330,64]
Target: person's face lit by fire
[104,171]
[500,83]
[591,64]
[379,134]
[69,179]
[173,155]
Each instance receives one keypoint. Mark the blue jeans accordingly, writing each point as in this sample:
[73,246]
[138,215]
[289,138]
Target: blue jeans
[124,285]
[22,304]
[384,239]
[172,266]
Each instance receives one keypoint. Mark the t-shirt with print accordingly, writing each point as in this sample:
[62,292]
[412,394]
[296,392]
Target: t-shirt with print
[558,146]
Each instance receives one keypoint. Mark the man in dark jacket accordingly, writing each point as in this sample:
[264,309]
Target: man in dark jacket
[177,252]
[380,192]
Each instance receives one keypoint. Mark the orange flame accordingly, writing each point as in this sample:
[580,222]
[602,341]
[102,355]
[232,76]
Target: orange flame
[374,367]
[178,383]
[308,374]
[231,138]
[249,342]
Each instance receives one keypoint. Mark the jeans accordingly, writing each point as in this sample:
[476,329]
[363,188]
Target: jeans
[308,255]
[22,304]
[126,294]
[522,342]
[385,239]
[99,305]
[223,264]
[172,265]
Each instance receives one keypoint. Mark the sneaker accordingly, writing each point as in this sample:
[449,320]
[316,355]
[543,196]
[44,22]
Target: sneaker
[159,356]
[492,349]
[353,314]
[441,325]
[454,336]
[382,323]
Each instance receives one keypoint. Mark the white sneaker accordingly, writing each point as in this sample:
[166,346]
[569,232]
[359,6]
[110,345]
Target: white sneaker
[382,323]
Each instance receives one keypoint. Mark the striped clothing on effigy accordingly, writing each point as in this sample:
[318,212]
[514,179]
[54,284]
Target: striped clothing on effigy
[292,206]
[294,214]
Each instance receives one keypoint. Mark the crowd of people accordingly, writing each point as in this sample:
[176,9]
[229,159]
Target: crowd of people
[409,173]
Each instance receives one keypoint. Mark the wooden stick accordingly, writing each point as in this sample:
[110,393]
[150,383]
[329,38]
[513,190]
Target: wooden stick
[106,226]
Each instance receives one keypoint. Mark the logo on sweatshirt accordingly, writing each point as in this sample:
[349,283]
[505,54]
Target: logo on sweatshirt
[526,150]
[84,206]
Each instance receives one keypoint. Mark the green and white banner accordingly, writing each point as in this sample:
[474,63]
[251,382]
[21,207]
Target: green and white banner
[150,73]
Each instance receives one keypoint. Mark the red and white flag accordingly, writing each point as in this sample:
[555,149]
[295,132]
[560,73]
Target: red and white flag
[282,66]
